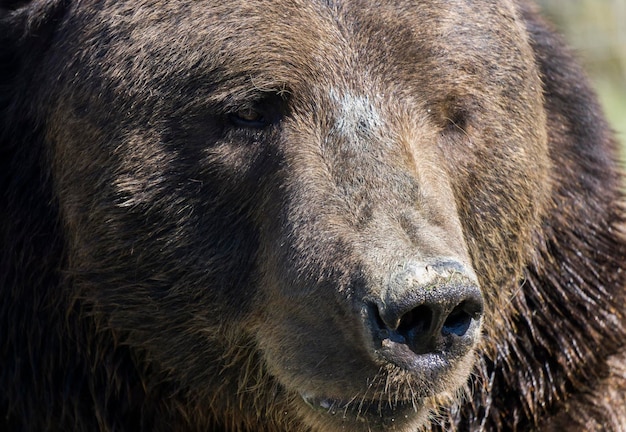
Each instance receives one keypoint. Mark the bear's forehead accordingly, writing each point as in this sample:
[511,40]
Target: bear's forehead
[287,43]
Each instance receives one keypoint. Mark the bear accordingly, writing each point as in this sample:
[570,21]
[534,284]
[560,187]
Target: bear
[301,215]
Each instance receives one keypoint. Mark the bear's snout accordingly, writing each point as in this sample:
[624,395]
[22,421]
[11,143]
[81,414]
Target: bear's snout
[425,311]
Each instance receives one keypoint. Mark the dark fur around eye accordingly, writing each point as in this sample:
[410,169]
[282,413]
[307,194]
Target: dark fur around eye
[259,115]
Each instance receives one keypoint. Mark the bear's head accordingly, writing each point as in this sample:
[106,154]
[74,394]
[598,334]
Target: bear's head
[298,212]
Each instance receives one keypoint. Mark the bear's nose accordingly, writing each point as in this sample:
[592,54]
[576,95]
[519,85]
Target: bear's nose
[427,309]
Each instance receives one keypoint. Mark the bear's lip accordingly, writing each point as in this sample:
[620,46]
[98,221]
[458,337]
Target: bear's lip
[364,410]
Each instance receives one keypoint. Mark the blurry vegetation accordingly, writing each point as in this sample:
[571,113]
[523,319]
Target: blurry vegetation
[596,29]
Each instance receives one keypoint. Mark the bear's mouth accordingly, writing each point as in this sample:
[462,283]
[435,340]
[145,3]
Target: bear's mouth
[382,412]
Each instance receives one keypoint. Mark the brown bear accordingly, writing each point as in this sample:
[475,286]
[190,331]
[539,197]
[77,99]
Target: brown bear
[295,215]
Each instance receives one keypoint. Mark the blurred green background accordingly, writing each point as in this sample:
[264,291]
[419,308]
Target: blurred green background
[596,29]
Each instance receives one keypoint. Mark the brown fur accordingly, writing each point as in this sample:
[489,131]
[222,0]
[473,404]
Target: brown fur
[172,261]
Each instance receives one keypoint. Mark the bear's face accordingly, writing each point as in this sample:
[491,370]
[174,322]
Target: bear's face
[315,203]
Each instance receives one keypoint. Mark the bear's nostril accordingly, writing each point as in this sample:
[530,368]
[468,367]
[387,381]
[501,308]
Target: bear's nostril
[429,327]
[439,317]
[459,320]
[416,321]
[408,329]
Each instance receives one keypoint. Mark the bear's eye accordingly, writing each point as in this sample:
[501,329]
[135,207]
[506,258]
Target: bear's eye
[249,118]
[258,114]
[457,120]
[453,113]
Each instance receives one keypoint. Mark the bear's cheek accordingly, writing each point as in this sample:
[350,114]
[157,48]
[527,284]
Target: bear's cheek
[500,202]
